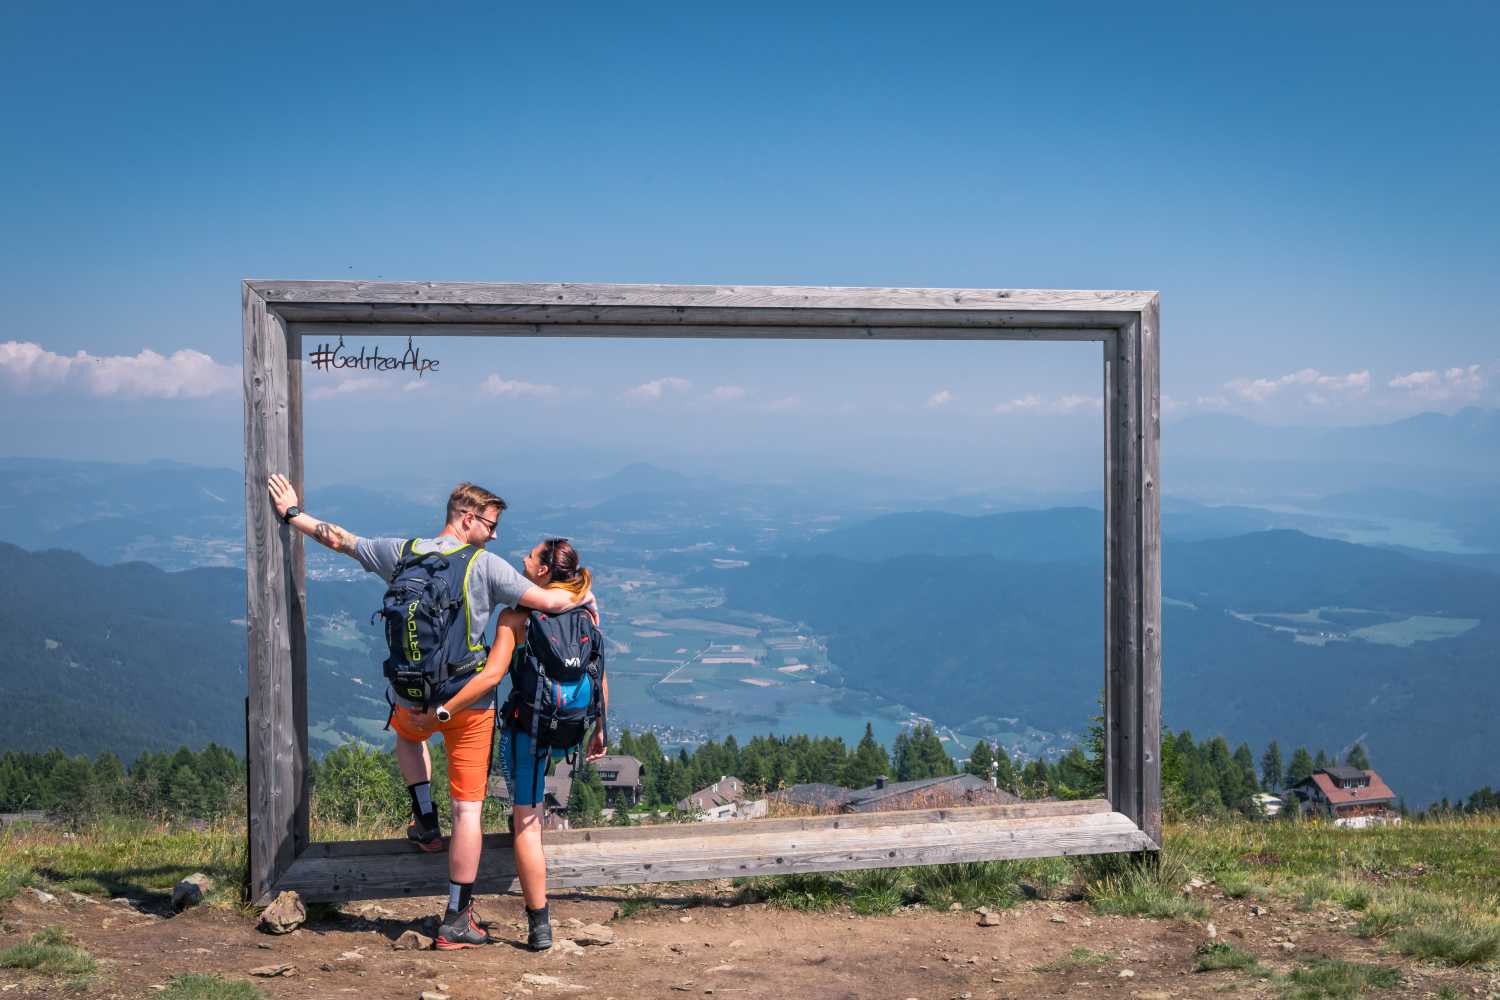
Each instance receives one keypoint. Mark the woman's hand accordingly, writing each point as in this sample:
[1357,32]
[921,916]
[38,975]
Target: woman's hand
[282,494]
[596,745]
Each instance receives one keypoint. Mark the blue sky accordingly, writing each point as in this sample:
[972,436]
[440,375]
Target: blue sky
[1311,188]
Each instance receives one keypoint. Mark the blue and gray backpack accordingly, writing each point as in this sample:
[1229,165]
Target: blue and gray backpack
[559,650]
[426,612]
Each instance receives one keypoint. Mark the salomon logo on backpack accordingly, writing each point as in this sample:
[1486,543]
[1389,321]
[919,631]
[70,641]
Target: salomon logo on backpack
[427,622]
[559,649]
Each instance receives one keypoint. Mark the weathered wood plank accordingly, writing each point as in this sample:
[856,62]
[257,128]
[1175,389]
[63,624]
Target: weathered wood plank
[982,328]
[1126,510]
[821,298]
[719,856]
[1111,570]
[1150,819]
[274,730]
[789,824]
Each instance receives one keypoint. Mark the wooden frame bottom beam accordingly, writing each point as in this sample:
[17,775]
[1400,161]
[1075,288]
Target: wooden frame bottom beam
[617,856]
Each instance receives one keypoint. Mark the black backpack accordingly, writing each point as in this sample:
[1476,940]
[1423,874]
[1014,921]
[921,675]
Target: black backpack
[559,649]
[427,623]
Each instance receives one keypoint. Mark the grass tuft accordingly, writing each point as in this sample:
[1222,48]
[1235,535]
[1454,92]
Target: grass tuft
[49,953]
[194,986]
[1454,939]
[1216,955]
[1337,980]
[1078,958]
[1126,885]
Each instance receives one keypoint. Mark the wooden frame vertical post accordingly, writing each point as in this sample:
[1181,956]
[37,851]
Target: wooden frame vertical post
[276,601]
[278,314]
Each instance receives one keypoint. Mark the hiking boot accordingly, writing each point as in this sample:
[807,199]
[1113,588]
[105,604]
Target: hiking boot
[539,938]
[429,839]
[461,930]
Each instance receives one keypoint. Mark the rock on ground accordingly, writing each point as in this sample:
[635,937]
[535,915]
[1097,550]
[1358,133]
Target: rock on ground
[285,914]
[191,890]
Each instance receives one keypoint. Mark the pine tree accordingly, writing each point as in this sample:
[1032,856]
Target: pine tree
[1272,768]
[1005,772]
[1356,757]
[868,762]
[1321,761]
[1245,760]
[1300,768]
[980,761]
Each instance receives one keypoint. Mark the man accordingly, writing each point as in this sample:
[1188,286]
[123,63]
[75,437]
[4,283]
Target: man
[489,582]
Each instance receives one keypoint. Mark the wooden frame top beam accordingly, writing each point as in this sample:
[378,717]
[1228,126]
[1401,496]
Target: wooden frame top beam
[701,306]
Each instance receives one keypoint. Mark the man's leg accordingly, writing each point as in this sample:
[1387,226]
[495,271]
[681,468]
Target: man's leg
[467,738]
[416,769]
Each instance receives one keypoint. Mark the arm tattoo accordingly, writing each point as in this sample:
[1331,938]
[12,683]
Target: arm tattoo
[334,537]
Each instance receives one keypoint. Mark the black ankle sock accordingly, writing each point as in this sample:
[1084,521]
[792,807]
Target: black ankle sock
[422,809]
[460,894]
[535,917]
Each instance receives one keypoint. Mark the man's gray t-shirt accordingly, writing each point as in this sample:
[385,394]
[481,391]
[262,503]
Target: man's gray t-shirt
[492,583]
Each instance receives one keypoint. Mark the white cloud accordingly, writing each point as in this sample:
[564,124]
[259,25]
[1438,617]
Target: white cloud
[727,393]
[494,385]
[1261,389]
[940,398]
[784,404]
[347,387]
[148,375]
[1034,403]
[1453,383]
[657,388]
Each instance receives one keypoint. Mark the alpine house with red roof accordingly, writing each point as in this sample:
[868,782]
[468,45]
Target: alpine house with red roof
[1348,796]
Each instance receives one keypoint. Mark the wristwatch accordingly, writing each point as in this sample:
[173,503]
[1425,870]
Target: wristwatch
[442,713]
[291,512]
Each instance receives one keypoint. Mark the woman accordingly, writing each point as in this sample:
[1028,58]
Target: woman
[552,564]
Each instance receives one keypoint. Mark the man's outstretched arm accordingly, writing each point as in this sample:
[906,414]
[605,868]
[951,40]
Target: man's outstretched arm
[325,533]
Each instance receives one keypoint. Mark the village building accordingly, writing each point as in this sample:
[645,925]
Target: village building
[724,799]
[621,775]
[1348,796]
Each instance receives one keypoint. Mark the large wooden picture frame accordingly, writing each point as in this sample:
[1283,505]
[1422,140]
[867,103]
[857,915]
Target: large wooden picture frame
[278,315]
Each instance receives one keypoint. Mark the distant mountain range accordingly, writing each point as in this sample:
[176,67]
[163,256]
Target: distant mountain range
[961,636]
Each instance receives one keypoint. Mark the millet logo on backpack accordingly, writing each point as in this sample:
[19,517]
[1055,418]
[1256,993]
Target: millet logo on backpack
[413,647]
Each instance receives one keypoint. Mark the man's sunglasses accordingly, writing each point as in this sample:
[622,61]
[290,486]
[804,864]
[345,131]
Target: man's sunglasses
[486,521]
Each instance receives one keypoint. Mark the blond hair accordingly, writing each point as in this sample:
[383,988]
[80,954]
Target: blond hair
[468,498]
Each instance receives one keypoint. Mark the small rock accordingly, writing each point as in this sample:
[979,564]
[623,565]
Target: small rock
[1213,931]
[595,935]
[566,947]
[1153,995]
[42,897]
[433,995]
[1059,920]
[285,914]
[1126,974]
[737,943]
[982,910]
[572,922]
[1256,911]
[989,920]
[1288,947]
[272,971]
[78,897]
[685,920]
[973,959]
[412,941]
[190,891]
[955,907]
[122,901]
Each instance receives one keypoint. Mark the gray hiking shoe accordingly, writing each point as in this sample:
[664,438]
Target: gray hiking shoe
[539,937]
[461,930]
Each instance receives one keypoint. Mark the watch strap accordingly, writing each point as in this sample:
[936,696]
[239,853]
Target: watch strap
[291,512]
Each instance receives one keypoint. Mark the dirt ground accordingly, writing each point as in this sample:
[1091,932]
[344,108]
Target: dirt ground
[686,945]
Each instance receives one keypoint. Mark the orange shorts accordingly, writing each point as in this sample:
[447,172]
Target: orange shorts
[467,738]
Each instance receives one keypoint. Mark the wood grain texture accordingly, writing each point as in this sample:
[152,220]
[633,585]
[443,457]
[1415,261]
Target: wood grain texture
[273,761]
[1150,820]
[819,298]
[712,854]
[1111,572]
[1125,509]
[791,824]
[983,328]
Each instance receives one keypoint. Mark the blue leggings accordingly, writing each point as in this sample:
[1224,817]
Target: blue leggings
[525,772]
